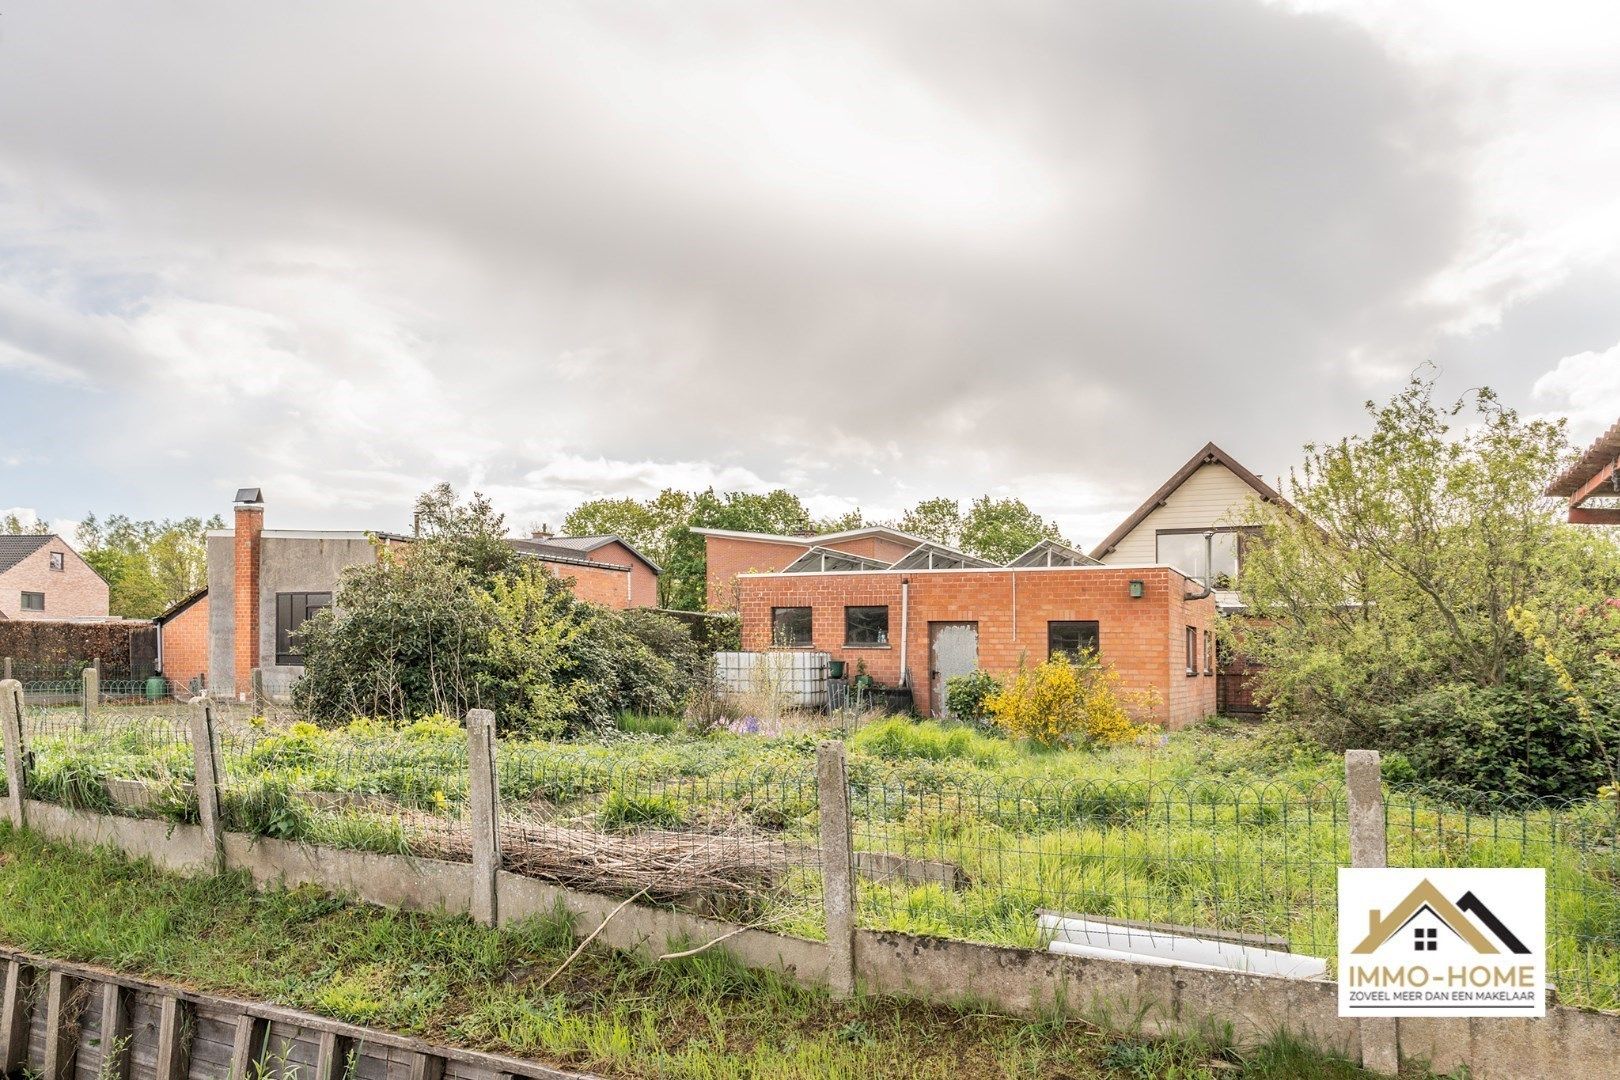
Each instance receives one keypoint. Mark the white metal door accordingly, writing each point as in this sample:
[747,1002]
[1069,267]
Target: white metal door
[953,649]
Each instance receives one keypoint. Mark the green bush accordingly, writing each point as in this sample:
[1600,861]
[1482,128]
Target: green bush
[965,697]
[1521,740]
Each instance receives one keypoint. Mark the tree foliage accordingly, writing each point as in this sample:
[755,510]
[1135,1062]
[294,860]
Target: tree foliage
[457,621]
[148,565]
[1413,552]
[996,529]
[13,525]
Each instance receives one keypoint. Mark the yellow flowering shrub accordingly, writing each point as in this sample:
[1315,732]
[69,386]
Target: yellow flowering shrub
[1070,701]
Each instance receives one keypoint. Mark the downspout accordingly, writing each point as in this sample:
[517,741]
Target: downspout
[905,630]
[1209,567]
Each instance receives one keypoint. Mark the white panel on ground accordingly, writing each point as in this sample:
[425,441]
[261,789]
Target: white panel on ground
[1084,937]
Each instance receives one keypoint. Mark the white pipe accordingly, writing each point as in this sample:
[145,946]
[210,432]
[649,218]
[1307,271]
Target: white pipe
[905,631]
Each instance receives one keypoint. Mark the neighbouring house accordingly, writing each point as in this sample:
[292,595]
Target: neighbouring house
[263,583]
[42,577]
[1591,486]
[920,623]
[182,642]
[1200,521]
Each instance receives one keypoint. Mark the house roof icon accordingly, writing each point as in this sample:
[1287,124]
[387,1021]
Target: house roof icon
[1454,915]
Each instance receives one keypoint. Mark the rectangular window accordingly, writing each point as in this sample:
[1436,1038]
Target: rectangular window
[790,627]
[291,611]
[1189,552]
[1209,652]
[1192,650]
[33,601]
[1071,638]
[58,561]
[866,626]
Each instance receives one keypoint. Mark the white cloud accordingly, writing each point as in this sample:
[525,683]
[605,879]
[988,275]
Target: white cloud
[1585,388]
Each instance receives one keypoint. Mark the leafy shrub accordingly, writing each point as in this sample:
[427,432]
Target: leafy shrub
[965,697]
[899,739]
[1066,701]
[1521,740]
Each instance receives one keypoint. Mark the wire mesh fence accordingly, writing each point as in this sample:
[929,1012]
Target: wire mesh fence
[735,844]
[984,859]
[732,830]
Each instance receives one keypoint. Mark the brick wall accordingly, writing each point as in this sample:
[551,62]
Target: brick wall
[881,548]
[1142,638]
[600,585]
[729,556]
[185,643]
[248,548]
[643,582]
[73,592]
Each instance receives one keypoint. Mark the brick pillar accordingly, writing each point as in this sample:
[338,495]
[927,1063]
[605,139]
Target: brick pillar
[249,530]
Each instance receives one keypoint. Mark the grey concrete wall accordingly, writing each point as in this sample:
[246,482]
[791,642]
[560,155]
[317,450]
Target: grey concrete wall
[300,564]
[385,880]
[172,846]
[221,610]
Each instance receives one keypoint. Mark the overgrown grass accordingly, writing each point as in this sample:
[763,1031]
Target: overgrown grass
[1226,827]
[446,979]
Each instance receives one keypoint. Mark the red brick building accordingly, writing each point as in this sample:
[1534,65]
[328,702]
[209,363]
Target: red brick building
[1153,624]
[183,640]
[731,553]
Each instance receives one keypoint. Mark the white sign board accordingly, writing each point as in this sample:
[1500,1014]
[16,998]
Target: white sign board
[1442,942]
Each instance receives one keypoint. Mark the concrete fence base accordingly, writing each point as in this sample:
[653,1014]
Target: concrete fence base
[1135,998]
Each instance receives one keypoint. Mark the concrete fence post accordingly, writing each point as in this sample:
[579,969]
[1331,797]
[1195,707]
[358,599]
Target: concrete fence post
[837,867]
[260,701]
[485,793]
[90,691]
[11,736]
[1364,790]
[5,669]
[205,755]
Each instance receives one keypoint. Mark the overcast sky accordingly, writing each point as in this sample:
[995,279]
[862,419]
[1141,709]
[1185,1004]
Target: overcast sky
[870,251]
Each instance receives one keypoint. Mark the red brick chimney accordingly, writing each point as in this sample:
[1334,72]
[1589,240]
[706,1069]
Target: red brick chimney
[249,529]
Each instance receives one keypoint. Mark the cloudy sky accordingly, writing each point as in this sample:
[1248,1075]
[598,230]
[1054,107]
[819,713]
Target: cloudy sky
[871,251]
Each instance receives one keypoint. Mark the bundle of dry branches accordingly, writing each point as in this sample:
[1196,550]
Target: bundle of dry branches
[665,865]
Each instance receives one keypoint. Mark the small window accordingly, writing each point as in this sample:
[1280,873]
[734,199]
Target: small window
[866,626]
[790,627]
[58,561]
[292,609]
[1209,652]
[1192,650]
[33,601]
[1071,638]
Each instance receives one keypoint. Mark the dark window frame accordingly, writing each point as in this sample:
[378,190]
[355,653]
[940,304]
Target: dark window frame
[59,562]
[1192,651]
[880,636]
[809,627]
[1053,626]
[26,606]
[300,604]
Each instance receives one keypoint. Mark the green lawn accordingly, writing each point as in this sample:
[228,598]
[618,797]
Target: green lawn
[446,979]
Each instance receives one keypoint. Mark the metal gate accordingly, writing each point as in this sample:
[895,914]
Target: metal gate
[953,649]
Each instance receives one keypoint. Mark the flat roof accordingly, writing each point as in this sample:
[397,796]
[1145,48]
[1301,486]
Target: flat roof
[1088,569]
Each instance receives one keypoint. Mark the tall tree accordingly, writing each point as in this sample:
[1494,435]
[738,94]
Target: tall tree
[148,565]
[1412,551]
[653,526]
[12,525]
[1002,529]
[939,520]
